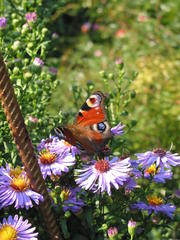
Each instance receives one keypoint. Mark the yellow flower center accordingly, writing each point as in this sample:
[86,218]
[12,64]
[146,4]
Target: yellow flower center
[154,201]
[65,194]
[7,232]
[20,183]
[151,170]
[15,172]
[47,158]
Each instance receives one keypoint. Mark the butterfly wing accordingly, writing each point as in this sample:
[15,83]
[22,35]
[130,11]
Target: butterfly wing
[91,130]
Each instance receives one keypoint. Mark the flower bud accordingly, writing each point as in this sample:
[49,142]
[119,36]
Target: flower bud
[27,75]
[15,22]
[155,219]
[44,31]
[14,15]
[33,119]
[112,232]
[104,226]
[26,61]
[102,73]
[25,28]
[15,70]
[118,61]
[30,45]
[110,76]
[55,35]
[31,17]
[16,45]
[131,228]
[3,22]
[38,62]
[67,214]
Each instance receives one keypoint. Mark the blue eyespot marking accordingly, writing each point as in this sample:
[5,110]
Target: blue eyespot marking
[101,127]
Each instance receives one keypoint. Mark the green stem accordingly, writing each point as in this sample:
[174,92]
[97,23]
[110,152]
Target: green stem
[2,7]
[132,236]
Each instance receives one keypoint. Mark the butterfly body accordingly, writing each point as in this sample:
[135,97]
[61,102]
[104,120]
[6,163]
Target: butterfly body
[91,131]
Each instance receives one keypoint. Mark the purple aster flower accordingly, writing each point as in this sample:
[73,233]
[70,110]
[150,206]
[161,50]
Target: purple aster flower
[71,200]
[130,184]
[15,189]
[134,174]
[3,22]
[46,143]
[17,228]
[135,171]
[31,17]
[38,62]
[55,158]
[160,157]
[118,129]
[103,174]
[158,174]
[62,147]
[156,204]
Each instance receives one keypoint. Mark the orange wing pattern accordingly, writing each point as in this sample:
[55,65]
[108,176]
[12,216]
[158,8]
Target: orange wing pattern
[92,111]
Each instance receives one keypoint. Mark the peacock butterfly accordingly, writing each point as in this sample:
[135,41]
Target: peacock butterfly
[90,131]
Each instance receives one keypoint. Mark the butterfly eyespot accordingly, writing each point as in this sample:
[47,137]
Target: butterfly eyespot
[101,127]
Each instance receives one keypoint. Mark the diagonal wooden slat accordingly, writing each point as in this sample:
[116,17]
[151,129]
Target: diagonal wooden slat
[25,149]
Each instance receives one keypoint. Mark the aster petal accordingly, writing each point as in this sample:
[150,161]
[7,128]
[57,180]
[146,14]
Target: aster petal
[118,129]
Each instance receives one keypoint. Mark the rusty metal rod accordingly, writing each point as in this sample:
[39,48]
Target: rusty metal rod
[25,149]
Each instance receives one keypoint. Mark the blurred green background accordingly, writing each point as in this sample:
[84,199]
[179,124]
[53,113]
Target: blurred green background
[91,36]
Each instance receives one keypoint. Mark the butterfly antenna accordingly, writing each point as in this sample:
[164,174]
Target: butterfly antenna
[59,133]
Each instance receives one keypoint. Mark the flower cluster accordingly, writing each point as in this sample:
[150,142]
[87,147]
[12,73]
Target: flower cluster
[157,164]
